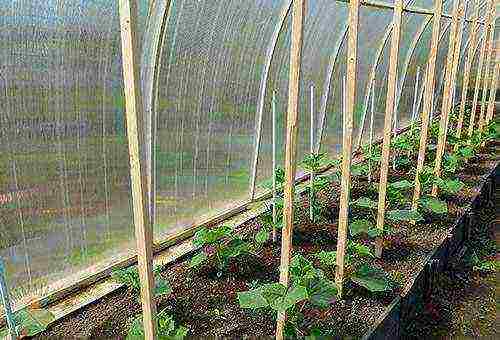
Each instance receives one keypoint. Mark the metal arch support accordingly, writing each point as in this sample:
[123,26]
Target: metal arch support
[370,82]
[372,75]
[410,55]
[151,54]
[262,92]
[326,85]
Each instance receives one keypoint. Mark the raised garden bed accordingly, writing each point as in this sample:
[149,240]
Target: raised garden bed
[205,300]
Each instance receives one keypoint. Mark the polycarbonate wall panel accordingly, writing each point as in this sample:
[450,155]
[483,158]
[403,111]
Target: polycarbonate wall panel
[210,71]
[64,181]
[373,24]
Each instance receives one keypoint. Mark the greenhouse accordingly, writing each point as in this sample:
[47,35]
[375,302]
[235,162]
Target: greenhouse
[248,168]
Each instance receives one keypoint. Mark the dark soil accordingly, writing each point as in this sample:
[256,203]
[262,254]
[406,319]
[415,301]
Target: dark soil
[463,302]
[206,304]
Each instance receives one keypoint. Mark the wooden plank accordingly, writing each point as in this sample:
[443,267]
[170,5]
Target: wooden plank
[494,84]
[298,9]
[389,112]
[352,56]
[275,198]
[479,73]
[451,63]
[468,65]
[428,97]
[487,67]
[134,113]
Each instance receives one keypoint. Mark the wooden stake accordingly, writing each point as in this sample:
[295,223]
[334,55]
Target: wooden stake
[389,112]
[291,148]
[479,72]
[428,97]
[311,141]
[489,52]
[370,141]
[451,65]
[494,84]
[352,55]
[275,198]
[134,108]
[468,65]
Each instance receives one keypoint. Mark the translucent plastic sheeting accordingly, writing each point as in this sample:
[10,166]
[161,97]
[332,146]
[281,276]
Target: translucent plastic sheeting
[411,28]
[323,27]
[373,24]
[64,176]
[209,79]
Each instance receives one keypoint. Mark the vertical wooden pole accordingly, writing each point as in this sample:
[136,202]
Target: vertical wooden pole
[494,84]
[428,97]
[298,10]
[5,298]
[415,100]
[487,67]
[467,69]
[479,70]
[311,141]
[134,108]
[370,141]
[275,199]
[389,112]
[352,57]
[451,65]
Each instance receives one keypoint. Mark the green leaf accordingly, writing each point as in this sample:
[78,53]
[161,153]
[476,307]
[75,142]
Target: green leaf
[162,287]
[434,205]
[252,299]
[33,321]
[360,226]
[359,169]
[404,215]
[466,152]
[262,236]
[327,258]
[322,292]
[284,302]
[197,260]
[450,186]
[402,185]
[360,249]
[365,202]
[371,278]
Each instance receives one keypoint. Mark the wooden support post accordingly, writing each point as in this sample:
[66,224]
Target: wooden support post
[311,142]
[389,112]
[428,97]
[487,67]
[352,56]
[275,198]
[298,9]
[451,65]
[370,140]
[468,65]
[494,84]
[134,108]
[479,71]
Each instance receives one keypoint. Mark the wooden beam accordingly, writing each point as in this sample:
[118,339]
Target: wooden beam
[352,57]
[468,65]
[479,72]
[428,97]
[451,64]
[134,108]
[298,9]
[494,84]
[389,112]
[487,67]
